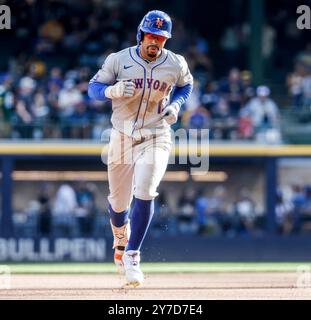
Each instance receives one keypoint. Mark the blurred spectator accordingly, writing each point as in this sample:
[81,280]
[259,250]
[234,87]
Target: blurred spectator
[304,224]
[52,30]
[262,110]
[245,125]
[69,98]
[186,212]
[6,105]
[201,206]
[51,33]
[306,89]
[284,214]
[80,122]
[197,119]
[45,214]
[37,69]
[300,204]
[65,201]
[299,81]
[209,97]
[248,86]
[68,101]
[231,89]
[211,212]
[294,83]
[299,201]
[55,77]
[24,111]
[86,208]
[304,57]
[224,125]
[40,108]
[64,208]
[244,211]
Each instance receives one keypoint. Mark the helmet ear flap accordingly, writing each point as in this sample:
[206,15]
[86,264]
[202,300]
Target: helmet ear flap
[140,36]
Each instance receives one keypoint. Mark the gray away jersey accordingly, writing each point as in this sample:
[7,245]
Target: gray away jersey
[154,82]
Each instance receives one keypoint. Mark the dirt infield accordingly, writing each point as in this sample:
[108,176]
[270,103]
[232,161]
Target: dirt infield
[158,286]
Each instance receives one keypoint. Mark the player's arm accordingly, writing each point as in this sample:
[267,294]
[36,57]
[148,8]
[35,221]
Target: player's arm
[103,85]
[180,95]
[96,90]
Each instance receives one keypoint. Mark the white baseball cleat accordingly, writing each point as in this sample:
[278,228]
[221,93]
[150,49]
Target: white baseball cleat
[133,274]
[120,240]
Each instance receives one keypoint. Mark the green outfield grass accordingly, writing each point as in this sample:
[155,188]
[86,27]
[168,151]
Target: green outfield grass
[159,267]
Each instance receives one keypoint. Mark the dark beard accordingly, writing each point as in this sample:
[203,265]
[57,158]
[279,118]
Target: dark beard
[152,55]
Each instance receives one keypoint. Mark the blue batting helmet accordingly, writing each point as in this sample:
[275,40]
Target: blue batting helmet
[156,22]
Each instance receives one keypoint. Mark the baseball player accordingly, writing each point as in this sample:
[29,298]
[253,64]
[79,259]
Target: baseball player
[147,85]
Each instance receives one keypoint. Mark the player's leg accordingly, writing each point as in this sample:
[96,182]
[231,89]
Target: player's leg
[120,177]
[120,185]
[149,170]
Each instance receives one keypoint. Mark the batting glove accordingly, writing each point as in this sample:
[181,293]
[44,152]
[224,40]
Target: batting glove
[170,113]
[120,89]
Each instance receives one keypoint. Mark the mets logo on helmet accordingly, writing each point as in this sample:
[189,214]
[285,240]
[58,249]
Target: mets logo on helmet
[159,22]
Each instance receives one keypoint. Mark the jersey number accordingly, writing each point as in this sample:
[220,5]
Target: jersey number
[160,106]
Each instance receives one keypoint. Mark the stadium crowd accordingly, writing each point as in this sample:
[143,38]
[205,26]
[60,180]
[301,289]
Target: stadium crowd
[58,45]
[299,81]
[71,210]
[57,106]
[293,209]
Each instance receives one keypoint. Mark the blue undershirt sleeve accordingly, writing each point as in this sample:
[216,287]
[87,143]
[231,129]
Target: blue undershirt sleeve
[181,94]
[96,90]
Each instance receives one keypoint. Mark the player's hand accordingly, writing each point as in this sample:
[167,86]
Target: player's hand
[120,89]
[170,113]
